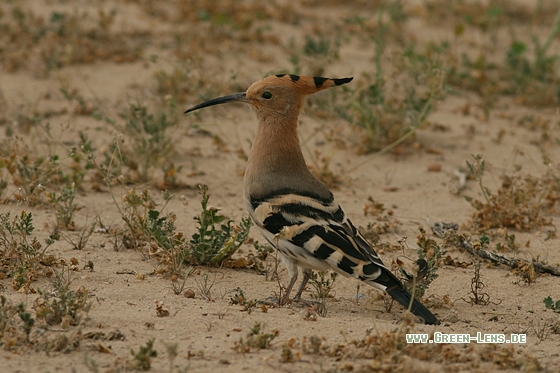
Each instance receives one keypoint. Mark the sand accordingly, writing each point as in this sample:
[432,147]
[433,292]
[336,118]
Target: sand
[418,183]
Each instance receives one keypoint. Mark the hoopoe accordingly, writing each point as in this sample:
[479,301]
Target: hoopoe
[295,211]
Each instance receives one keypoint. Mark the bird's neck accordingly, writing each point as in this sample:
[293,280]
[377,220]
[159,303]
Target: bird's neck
[276,161]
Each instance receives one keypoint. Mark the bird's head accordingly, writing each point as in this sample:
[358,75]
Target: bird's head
[275,95]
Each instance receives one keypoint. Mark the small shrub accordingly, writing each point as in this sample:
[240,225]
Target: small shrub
[213,245]
[387,116]
[143,358]
[64,206]
[430,255]
[81,238]
[28,321]
[527,71]
[11,327]
[256,339]
[216,239]
[148,227]
[46,42]
[191,79]
[205,287]
[62,303]
[21,255]
[314,55]
[552,305]
[323,287]
[241,299]
[260,261]
[32,174]
[151,143]
[519,203]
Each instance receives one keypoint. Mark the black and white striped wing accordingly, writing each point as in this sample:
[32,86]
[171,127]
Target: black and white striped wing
[317,235]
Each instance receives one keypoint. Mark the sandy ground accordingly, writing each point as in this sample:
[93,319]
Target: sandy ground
[126,286]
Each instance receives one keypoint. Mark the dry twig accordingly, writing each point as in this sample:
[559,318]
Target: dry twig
[439,228]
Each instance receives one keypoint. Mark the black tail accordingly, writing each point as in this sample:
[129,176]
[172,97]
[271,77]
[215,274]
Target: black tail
[403,297]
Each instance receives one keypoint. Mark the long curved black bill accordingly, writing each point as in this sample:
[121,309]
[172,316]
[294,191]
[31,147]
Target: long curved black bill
[220,100]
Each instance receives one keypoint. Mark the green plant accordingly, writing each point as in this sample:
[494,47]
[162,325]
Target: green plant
[33,171]
[172,353]
[135,212]
[3,181]
[62,303]
[28,321]
[163,231]
[148,226]
[387,116]
[534,73]
[210,245]
[519,202]
[323,287]
[64,206]
[552,305]
[152,145]
[79,241]
[84,107]
[205,287]
[7,311]
[16,325]
[261,262]
[143,358]
[190,79]
[142,220]
[110,169]
[213,245]
[430,254]
[179,280]
[527,70]
[32,175]
[239,298]
[314,55]
[20,254]
[81,160]
[509,244]
[256,338]
[62,38]
[477,170]
[316,47]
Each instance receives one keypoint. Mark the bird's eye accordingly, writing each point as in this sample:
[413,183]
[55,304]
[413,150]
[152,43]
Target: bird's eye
[267,95]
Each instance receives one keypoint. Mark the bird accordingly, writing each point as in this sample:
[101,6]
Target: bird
[292,209]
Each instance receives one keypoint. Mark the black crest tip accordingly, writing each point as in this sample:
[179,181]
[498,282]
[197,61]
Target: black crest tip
[319,80]
[342,81]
